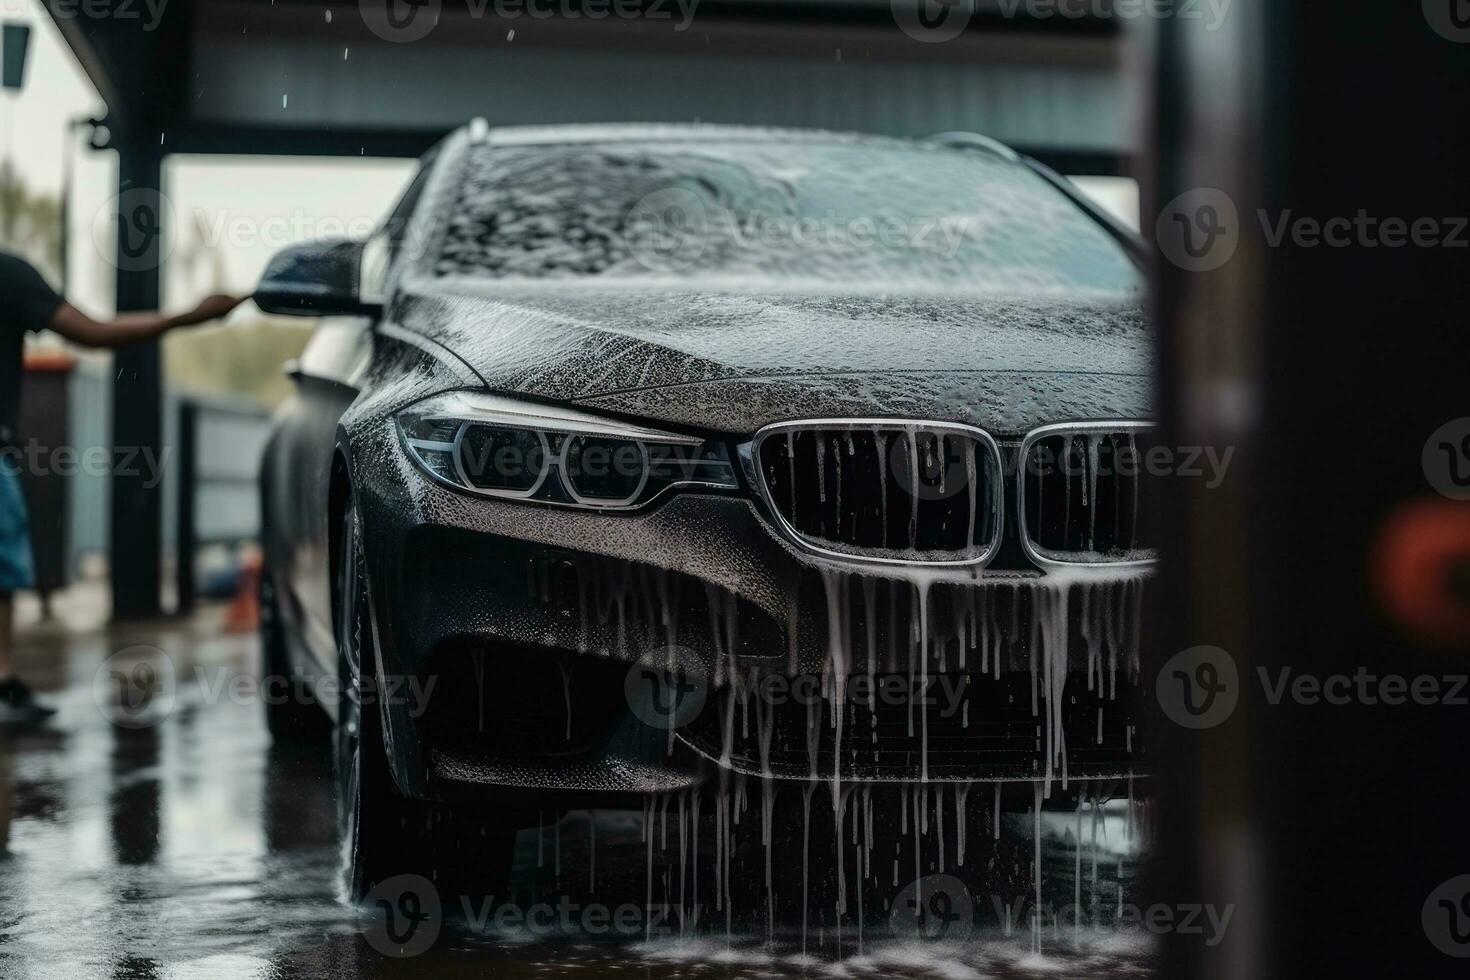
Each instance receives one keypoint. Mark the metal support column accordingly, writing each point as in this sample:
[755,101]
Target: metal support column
[1310,201]
[186,527]
[137,390]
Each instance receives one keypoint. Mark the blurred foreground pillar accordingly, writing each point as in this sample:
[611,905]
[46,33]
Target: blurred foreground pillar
[137,406]
[1311,179]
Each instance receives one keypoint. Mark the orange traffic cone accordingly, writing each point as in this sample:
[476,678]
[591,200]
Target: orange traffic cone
[244,612]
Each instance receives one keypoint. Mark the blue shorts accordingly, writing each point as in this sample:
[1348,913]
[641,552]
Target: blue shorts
[16,569]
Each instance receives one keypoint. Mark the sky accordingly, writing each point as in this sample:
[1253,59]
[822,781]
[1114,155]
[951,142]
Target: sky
[246,207]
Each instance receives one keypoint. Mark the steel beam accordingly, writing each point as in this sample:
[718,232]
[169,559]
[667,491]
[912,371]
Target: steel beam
[137,390]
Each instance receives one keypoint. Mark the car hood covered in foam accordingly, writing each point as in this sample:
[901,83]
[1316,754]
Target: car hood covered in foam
[732,360]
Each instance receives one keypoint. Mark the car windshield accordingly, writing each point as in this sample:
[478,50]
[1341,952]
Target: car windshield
[857,213]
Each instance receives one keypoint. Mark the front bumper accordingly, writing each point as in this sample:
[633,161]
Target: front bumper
[527,620]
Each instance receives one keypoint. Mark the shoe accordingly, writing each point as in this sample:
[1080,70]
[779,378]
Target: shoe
[18,706]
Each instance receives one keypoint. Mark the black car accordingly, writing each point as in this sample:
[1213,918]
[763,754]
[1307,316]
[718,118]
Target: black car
[629,459]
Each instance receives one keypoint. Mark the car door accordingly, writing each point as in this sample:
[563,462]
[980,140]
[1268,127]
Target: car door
[328,377]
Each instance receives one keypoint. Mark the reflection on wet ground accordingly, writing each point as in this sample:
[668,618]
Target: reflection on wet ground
[195,848]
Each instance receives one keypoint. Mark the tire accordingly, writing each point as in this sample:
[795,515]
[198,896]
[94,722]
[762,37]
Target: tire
[464,851]
[290,718]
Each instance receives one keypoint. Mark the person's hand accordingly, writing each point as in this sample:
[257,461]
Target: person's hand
[214,307]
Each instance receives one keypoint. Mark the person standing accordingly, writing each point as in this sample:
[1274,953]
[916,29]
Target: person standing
[28,304]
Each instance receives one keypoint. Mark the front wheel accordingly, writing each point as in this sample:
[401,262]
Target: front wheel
[464,852]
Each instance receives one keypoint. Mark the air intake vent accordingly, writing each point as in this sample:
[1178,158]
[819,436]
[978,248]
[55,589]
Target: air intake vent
[1085,493]
[977,728]
[913,492]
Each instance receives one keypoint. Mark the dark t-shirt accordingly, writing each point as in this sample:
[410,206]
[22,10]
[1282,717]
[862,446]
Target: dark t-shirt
[26,304]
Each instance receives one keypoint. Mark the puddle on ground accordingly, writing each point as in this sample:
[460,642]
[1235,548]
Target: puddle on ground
[196,848]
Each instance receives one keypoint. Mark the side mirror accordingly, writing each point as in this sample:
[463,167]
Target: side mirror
[315,279]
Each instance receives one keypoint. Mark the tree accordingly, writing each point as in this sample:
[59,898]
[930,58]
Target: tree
[30,224]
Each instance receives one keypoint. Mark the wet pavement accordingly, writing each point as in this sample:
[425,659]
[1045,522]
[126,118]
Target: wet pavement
[182,843]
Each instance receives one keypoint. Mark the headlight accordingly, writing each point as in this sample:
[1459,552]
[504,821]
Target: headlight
[500,447]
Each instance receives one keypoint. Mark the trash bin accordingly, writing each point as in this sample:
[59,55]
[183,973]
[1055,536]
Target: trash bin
[51,461]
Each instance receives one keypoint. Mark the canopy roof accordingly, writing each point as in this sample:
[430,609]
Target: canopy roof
[298,76]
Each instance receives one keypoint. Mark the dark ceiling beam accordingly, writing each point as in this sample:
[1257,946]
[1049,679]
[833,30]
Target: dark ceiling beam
[724,29]
[139,67]
[1091,163]
[409,143]
[94,57]
[143,71]
[1064,17]
[287,141]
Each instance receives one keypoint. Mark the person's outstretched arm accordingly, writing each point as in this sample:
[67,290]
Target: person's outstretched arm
[129,328]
